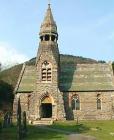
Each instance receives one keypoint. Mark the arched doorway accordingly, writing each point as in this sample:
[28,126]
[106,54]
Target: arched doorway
[46,107]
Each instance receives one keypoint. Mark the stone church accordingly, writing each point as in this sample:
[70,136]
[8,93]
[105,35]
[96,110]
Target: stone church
[55,91]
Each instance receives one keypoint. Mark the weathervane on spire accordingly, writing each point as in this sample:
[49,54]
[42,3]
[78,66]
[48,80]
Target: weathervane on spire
[49,2]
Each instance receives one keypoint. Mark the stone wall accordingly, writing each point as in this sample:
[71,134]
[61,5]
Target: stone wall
[24,101]
[30,102]
[88,106]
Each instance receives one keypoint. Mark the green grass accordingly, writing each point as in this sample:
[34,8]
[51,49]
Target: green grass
[34,133]
[105,128]
[100,129]
[40,134]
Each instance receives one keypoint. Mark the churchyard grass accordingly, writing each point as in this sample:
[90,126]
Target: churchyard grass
[34,133]
[102,130]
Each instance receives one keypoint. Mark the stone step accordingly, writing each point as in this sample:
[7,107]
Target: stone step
[46,119]
[42,122]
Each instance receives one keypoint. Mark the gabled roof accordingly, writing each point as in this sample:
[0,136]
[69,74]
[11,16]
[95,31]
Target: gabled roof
[27,79]
[73,77]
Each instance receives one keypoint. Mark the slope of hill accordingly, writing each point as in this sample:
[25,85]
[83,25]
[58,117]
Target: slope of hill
[68,59]
[11,75]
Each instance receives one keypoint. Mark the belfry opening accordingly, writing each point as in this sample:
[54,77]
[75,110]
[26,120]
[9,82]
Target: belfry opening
[46,107]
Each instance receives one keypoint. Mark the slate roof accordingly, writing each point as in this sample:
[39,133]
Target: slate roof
[86,77]
[73,77]
[27,79]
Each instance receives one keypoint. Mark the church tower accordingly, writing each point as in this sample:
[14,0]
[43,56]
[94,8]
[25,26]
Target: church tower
[48,53]
[37,87]
[47,63]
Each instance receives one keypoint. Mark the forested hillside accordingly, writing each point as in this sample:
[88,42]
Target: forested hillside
[8,79]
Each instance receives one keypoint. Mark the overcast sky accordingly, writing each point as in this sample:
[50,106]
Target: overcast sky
[85,27]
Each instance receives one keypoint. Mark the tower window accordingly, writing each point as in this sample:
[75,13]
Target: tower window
[46,37]
[75,102]
[98,102]
[41,38]
[46,72]
[52,38]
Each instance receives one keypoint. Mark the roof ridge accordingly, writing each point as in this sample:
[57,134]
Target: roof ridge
[20,77]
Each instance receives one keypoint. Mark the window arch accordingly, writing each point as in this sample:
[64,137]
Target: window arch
[98,102]
[46,72]
[75,103]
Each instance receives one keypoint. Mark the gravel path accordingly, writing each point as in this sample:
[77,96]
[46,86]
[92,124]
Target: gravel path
[80,137]
[70,135]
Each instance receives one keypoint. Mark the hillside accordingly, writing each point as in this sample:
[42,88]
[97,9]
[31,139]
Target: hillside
[9,77]
[68,59]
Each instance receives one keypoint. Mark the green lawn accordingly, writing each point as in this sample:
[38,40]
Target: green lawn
[34,133]
[102,130]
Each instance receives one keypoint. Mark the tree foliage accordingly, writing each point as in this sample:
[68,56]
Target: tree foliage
[8,80]
[6,93]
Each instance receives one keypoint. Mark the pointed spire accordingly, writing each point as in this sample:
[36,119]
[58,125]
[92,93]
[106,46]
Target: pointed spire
[48,25]
[49,17]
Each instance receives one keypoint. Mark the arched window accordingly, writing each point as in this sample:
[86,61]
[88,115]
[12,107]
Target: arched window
[46,71]
[98,101]
[75,102]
